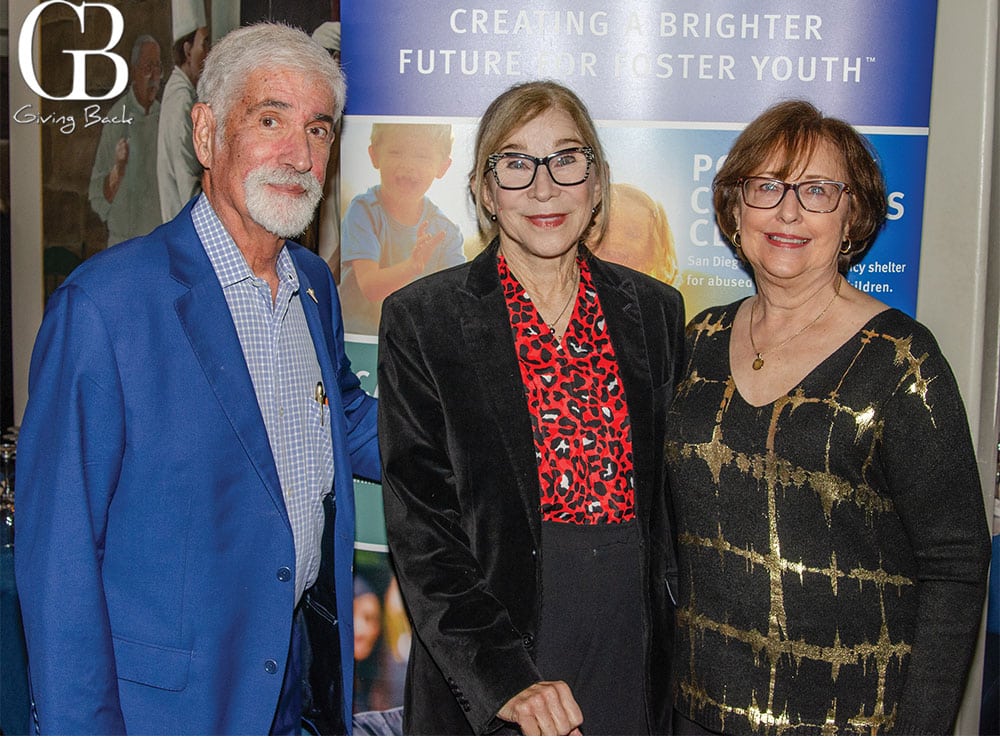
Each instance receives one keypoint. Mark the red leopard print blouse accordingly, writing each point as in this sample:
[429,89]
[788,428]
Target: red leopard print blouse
[579,415]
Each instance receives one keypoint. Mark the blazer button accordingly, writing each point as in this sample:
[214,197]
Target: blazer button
[284,573]
[270,666]
[528,640]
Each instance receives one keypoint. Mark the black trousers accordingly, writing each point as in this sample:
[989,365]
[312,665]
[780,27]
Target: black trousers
[592,633]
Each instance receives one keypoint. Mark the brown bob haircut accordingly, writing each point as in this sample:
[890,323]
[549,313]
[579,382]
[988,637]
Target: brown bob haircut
[793,129]
[521,104]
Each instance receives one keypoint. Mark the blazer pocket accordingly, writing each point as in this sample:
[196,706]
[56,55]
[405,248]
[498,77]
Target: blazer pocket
[152,665]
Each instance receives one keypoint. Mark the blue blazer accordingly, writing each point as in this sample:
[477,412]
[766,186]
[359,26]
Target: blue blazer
[154,557]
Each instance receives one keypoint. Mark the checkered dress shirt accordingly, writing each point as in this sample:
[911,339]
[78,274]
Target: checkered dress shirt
[286,375]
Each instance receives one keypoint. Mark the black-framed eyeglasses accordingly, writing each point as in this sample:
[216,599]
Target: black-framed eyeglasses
[815,195]
[567,167]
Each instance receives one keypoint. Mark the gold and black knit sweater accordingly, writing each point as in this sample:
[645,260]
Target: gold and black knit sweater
[832,544]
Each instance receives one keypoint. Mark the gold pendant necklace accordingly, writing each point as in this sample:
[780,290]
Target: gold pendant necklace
[758,361]
[572,294]
[569,300]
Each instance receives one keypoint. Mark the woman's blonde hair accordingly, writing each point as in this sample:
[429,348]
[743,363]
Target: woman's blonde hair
[516,106]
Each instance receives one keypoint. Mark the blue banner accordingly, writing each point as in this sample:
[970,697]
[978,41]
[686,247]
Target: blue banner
[690,60]
[670,84]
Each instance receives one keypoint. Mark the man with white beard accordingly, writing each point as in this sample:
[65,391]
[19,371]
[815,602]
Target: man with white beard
[185,503]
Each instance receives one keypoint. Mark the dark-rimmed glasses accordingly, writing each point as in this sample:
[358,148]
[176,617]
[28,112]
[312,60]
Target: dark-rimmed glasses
[815,195]
[567,167]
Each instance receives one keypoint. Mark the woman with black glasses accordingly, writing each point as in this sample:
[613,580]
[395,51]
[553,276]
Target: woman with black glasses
[832,538]
[522,405]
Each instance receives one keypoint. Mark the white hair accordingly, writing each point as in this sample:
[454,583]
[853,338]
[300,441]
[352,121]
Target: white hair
[238,54]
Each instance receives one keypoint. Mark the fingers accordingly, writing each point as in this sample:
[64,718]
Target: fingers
[426,242]
[437,239]
[546,707]
[425,246]
[121,149]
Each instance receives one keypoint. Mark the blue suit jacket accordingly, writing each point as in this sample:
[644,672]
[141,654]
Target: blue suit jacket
[154,550]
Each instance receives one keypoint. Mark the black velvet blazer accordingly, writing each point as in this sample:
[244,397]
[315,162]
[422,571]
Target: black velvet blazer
[461,492]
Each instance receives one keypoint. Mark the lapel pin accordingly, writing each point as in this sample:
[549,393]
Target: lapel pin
[312,294]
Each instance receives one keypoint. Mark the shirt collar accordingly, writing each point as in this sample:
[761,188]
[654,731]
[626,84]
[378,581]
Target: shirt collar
[228,261]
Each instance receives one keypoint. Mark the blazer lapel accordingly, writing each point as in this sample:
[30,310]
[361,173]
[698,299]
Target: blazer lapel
[625,324]
[205,318]
[320,330]
[317,331]
[488,338]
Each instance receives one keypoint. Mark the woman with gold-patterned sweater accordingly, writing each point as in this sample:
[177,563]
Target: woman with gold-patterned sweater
[832,540]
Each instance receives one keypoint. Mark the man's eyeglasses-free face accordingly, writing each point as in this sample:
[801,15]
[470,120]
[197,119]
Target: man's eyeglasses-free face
[815,195]
[517,171]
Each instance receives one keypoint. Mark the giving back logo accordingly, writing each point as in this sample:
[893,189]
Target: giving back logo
[90,15]
[25,57]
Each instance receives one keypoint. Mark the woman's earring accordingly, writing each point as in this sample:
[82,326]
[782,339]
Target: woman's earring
[737,240]
[846,249]
[493,217]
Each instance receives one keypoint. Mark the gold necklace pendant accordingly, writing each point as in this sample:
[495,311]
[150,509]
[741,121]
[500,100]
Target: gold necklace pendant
[569,300]
[758,362]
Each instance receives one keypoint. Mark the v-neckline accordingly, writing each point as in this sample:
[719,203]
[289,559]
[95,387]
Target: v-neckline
[808,375]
